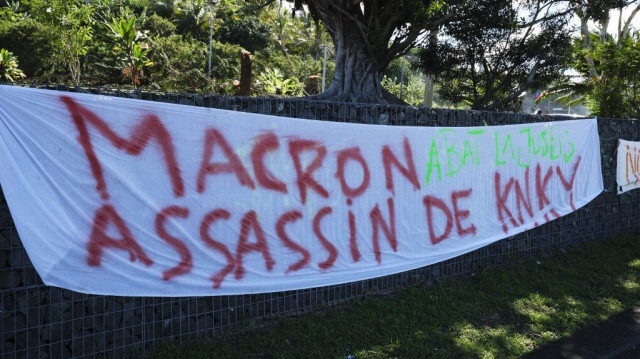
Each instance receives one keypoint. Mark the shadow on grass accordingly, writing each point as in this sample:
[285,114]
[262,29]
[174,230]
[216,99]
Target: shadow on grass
[502,312]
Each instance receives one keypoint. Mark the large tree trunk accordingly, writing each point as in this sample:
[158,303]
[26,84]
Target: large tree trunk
[356,77]
[367,35]
[358,72]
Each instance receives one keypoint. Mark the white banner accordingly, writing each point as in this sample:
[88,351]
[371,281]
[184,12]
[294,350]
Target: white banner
[627,171]
[127,197]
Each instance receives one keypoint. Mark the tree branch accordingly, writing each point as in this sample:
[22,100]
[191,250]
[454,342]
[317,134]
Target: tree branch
[449,16]
[627,24]
[390,26]
[518,91]
[404,45]
[586,43]
[260,7]
[554,16]
[603,29]
[358,23]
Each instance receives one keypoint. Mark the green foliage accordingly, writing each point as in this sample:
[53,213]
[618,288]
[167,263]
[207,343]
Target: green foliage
[107,9]
[32,42]
[494,51]
[12,12]
[412,92]
[181,64]
[75,38]
[103,43]
[85,44]
[412,89]
[299,67]
[225,66]
[246,32]
[163,8]
[615,91]
[273,82]
[129,42]
[389,28]
[9,70]
[368,35]
[192,17]
[606,65]
[291,34]
[291,53]
[138,7]
[599,10]
[124,32]
[101,66]
[160,26]
[72,24]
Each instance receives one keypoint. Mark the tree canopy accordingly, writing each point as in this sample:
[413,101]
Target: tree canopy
[481,54]
[495,50]
[606,63]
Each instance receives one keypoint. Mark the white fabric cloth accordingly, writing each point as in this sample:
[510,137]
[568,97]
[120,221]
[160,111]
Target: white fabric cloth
[126,197]
[627,170]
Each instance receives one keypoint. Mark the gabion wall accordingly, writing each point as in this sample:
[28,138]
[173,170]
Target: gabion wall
[46,322]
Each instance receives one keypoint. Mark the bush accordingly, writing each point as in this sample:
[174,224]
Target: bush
[158,25]
[272,82]
[182,64]
[292,67]
[99,64]
[9,70]
[32,42]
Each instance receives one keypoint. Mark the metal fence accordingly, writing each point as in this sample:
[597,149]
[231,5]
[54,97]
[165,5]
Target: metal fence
[46,322]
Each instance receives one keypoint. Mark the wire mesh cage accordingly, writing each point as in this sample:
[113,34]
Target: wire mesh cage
[47,322]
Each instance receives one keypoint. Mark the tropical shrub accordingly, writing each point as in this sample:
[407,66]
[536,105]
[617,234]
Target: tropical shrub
[9,70]
[181,64]
[273,82]
[159,26]
[132,48]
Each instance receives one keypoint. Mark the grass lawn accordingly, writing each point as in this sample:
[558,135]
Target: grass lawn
[499,313]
